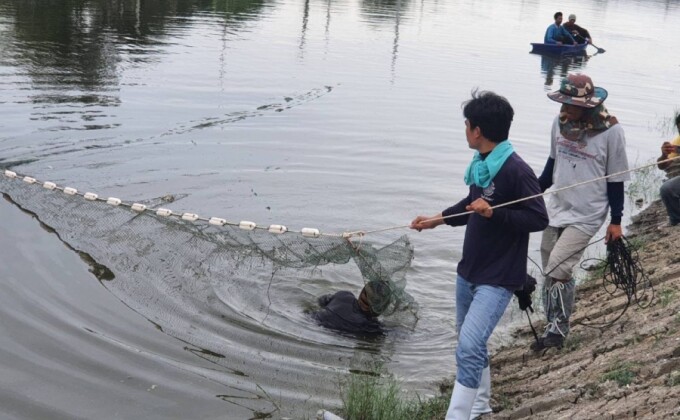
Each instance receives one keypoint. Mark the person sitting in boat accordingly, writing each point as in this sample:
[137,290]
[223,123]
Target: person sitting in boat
[556,34]
[579,33]
[341,311]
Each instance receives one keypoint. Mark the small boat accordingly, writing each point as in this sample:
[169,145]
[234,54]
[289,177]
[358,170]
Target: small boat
[558,49]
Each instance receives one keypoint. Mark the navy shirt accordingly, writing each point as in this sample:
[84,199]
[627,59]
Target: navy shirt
[341,312]
[495,249]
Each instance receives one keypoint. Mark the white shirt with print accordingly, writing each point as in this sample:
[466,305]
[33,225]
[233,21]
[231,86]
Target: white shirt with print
[585,207]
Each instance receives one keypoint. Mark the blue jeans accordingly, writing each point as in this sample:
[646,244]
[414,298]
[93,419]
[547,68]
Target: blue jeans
[479,307]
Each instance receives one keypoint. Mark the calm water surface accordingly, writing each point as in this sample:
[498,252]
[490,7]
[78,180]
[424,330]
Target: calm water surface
[341,115]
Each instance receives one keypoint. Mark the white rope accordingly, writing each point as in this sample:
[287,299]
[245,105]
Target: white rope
[162,212]
[554,292]
[529,197]
[281,229]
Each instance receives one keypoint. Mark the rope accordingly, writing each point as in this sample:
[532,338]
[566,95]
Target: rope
[555,292]
[529,197]
[308,232]
[623,271]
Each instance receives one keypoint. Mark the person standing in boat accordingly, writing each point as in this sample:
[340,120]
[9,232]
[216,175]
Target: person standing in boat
[579,33]
[586,143]
[557,34]
[494,261]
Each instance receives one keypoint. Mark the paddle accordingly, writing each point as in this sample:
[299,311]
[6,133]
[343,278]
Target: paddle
[599,50]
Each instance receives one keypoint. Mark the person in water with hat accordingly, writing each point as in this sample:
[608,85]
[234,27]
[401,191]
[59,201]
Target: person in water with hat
[586,143]
[579,33]
[556,34]
[494,259]
[341,311]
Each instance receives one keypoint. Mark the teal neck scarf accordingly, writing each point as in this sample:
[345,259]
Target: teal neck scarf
[482,171]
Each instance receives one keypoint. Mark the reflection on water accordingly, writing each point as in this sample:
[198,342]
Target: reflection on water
[559,66]
[73,54]
[389,12]
[384,10]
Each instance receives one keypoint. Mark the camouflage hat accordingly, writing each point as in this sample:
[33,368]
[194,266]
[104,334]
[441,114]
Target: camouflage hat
[379,295]
[578,90]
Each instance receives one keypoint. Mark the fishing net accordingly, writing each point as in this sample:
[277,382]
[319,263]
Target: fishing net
[186,261]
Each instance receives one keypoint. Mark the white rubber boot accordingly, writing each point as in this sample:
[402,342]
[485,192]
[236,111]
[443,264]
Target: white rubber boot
[481,405]
[326,415]
[461,402]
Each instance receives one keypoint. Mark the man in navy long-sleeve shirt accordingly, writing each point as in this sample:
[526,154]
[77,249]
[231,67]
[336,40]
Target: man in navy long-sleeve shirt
[494,262]
[557,34]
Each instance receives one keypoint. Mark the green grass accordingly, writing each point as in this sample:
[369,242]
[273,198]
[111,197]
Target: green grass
[673,379]
[645,183]
[375,397]
[623,373]
[666,297]
[593,272]
[634,339]
[505,402]
[573,342]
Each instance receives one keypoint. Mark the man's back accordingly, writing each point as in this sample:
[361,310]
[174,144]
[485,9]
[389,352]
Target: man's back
[550,34]
[341,312]
[557,33]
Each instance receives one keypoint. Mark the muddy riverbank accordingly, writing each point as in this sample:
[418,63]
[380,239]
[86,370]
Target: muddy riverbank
[629,369]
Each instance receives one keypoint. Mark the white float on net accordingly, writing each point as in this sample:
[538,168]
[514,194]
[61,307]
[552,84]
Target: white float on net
[277,229]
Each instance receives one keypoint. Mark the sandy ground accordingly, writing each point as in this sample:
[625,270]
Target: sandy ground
[629,369]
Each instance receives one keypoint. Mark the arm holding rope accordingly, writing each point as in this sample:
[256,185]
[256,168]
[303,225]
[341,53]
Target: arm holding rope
[615,196]
[617,161]
[431,222]
[666,149]
[427,222]
[526,216]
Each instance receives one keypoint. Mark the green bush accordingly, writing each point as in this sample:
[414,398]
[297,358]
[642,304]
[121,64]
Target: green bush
[623,373]
[369,397]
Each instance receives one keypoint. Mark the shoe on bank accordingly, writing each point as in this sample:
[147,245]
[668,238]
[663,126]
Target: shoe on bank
[548,341]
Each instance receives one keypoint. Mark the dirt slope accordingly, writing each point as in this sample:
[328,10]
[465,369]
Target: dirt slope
[630,369]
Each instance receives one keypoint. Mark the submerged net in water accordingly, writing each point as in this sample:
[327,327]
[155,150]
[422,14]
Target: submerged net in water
[180,259]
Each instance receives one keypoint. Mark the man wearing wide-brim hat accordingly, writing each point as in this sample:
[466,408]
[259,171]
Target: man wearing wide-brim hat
[586,143]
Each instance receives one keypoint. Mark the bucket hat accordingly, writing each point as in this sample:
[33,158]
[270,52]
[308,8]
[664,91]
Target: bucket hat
[379,295]
[579,90]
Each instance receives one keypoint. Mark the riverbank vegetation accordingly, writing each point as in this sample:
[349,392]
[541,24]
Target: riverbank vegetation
[380,397]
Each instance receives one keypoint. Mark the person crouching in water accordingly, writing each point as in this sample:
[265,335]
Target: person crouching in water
[341,311]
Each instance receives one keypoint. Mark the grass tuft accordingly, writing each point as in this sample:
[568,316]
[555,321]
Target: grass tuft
[375,397]
[623,373]
[666,297]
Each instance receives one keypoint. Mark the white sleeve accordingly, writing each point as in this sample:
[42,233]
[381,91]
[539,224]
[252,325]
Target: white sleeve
[553,137]
[617,160]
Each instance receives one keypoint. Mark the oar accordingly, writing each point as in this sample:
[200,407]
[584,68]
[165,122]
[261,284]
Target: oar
[599,50]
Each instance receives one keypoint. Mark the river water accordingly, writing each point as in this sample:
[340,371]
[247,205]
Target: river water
[342,115]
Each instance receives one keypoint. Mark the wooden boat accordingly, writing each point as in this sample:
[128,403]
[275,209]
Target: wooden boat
[557,49]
